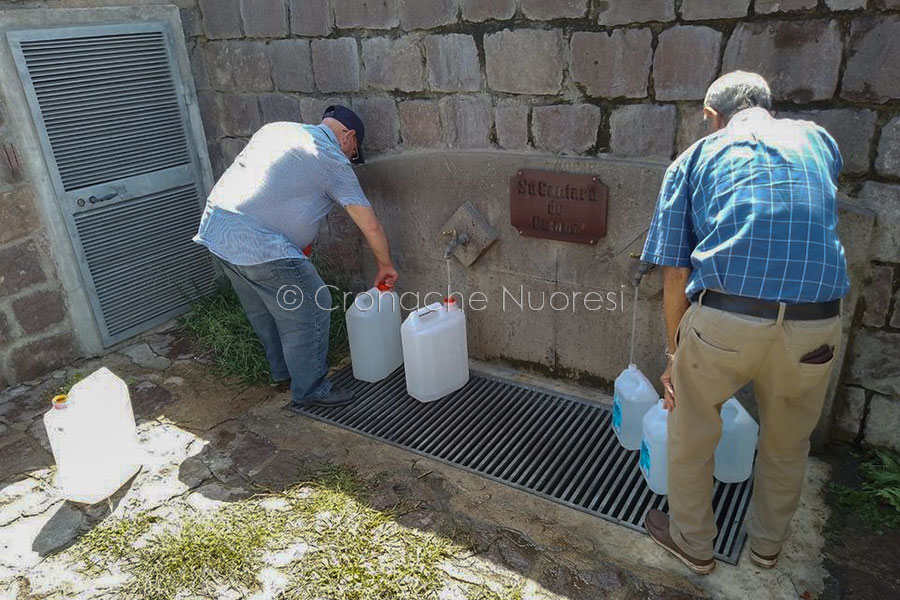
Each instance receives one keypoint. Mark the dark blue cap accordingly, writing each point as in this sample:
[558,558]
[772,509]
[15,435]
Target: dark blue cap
[350,120]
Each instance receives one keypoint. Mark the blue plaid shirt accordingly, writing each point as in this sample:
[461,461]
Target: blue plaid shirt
[752,210]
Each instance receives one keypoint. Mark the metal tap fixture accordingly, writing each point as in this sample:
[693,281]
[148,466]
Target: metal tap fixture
[458,240]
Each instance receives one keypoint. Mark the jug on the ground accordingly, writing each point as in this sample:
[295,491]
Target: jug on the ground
[435,353]
[633,397]
[373,329]
[737,446]
[93,438]
[654,448]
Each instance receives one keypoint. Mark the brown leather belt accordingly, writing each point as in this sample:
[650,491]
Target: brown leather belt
[765,309]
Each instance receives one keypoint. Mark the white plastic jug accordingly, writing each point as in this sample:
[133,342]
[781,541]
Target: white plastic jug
[633,397]
[435,351]
[737,446]
[654,443]
[93,438]
[373,328]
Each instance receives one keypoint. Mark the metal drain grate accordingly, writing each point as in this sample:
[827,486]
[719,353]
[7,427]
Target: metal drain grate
[560,448]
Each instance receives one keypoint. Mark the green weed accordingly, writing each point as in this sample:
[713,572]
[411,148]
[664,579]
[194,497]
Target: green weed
[877,500]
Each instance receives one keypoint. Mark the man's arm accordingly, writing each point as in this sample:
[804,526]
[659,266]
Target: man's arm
[368,223]
[675,304]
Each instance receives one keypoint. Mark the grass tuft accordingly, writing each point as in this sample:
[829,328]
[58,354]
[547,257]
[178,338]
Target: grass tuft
[485,593]
[355,552]
[218,325]
[877,500]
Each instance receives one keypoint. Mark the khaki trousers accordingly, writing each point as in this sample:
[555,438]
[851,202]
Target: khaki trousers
[718,352]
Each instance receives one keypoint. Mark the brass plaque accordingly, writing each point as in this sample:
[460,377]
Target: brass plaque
[570,207]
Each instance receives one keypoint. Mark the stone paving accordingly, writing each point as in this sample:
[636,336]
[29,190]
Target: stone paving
[210,441]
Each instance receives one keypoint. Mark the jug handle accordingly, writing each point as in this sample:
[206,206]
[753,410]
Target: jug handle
[421,312]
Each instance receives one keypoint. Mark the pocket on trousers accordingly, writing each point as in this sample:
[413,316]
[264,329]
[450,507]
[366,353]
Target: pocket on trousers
[714,347]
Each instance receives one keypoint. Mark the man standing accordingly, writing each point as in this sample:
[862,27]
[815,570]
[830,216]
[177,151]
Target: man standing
[745,230]
[263,210]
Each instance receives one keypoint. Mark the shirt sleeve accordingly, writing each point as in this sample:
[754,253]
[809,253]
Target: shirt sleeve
[343,187]
[834,153]
[670,239]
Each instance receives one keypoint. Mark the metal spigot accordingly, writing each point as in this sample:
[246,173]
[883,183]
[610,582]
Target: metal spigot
[644,268]
[458,240]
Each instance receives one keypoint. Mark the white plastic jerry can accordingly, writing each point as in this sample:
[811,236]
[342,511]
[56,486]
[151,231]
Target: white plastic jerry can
[654,456]
[93,438]
[633,397]
[435,353]
[373,328]
[737,446]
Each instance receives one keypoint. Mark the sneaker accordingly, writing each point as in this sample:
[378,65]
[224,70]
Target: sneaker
[282,385]
[762,561]
[657,524]
[339,396]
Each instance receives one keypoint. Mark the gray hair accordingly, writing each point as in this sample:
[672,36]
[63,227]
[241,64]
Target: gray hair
[736,91]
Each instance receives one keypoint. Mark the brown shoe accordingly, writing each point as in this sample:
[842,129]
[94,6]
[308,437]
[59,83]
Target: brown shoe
[657,524]
[762,561]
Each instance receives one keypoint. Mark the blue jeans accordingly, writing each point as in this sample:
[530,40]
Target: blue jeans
[289,308]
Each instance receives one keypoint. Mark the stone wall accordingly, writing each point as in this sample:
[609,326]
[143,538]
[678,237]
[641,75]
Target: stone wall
[577,78]
[35,329]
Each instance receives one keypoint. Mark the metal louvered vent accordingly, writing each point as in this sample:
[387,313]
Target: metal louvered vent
[143,262]
[109,105]
[561,449]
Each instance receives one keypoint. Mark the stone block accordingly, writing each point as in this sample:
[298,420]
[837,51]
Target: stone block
[872,73]
[221,18]
[420,123]
[240,113]
[691,126]
[467,121]
[292,69]
[851,405]
[425,14]
[190,22]
[875,362]
[238,66]
[43,356]
[853,131]
[511,124]
[525,61]
[311,109]
[878,296]
[368,14]
[884,4]
[624,12]
[546,10]
[393,64]
[20,267]
[783,6]
[800,59]
[847,4]
[382,123]
[278,107]
[210,104]
[336,65]
[453,64]
[884,200]
[198,68]
[39,311]
[883,422]
[566,128]
[230,148]
[686,62]
[10,164]
[888,161]
[699,10]
[613,65]
[311,17]
[17,214]
[264,18]
[483,10]
[643,130]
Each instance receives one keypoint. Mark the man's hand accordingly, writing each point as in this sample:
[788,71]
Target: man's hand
[386,275]
[668,388]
